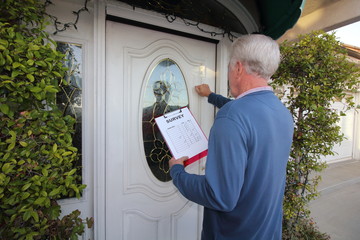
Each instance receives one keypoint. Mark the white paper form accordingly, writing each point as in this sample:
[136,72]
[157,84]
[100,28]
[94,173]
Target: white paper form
[183,135]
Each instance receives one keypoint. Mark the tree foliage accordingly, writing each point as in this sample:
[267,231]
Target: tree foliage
[36,152]
[313,74]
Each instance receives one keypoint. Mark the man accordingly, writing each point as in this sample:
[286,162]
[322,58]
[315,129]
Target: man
[249,145]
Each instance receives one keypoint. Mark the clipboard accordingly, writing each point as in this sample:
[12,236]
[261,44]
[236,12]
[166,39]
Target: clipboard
[183,135]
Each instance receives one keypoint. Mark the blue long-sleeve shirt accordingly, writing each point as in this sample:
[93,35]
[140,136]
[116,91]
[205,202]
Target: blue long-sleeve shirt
[243,185]
[218,100]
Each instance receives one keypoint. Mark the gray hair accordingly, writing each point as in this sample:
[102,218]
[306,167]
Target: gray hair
[259,54]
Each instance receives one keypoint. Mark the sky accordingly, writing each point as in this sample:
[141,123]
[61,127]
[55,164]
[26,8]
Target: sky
[349,34]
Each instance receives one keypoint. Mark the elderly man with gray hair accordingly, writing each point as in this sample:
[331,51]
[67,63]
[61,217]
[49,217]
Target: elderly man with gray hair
[249,145]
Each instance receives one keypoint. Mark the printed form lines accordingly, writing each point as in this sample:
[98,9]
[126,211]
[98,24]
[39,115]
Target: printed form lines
[183,135]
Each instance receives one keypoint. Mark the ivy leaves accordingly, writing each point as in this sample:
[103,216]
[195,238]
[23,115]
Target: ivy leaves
[37,156]
[30,68]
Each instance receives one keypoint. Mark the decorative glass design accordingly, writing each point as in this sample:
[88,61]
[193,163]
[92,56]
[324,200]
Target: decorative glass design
[165,92]
[69,99]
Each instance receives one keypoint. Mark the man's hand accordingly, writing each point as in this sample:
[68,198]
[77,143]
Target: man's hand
[180,161]
[203,90]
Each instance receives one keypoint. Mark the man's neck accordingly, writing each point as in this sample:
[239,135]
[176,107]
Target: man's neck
[251,82]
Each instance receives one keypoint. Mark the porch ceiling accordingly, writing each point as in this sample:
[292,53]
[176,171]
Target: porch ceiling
[269,17]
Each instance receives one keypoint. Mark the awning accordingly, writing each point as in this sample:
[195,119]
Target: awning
[272,18]
[279,16]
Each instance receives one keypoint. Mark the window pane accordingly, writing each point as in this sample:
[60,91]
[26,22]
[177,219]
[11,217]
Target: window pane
[69,99]
[165,92]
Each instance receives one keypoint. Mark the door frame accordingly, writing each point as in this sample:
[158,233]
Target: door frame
[102,8]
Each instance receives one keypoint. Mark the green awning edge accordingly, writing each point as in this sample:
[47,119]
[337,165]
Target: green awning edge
[279,17]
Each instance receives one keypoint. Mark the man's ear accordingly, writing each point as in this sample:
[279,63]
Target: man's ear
[239,67]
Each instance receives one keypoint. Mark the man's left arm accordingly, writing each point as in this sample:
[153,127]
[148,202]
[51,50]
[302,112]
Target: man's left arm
[220,187]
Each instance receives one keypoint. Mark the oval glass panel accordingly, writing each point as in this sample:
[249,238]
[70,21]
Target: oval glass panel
[165,91]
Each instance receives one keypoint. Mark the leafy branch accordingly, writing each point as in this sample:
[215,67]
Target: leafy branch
[313,74]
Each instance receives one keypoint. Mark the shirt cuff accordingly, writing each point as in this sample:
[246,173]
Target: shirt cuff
[211,97]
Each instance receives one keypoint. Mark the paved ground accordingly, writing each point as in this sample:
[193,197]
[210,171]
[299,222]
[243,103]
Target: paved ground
[337,210]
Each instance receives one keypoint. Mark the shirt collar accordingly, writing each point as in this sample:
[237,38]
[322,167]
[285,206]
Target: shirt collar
[258,89]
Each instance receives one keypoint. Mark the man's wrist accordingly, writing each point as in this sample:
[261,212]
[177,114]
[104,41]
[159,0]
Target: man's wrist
[175,168]
[211,95]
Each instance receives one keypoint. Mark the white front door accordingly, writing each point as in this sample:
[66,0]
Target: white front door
[141,201]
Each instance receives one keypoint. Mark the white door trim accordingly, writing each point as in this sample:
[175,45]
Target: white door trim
[99,119]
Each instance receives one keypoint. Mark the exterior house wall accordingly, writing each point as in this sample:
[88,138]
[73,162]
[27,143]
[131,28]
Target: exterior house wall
[349,149]
[84,36]
[90,33]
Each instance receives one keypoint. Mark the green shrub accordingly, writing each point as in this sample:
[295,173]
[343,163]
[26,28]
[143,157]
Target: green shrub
[36,152]
[315,72]
[305,229]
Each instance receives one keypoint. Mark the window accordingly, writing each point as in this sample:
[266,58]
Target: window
[165,91]
[69,99]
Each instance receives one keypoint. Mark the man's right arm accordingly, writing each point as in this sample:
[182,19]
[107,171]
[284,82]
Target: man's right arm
[218,100]
[213,98]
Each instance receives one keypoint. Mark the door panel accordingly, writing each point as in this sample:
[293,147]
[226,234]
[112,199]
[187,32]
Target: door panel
[138,204]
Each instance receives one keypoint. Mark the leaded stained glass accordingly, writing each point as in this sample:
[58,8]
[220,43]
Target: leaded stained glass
[69,99]
[165,91]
